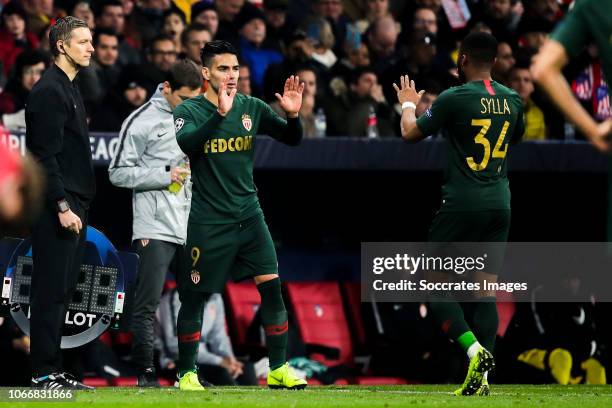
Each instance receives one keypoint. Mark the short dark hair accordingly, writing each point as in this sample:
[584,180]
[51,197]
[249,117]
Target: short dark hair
[158,38]
[28,58]
[103,31]
[359,72]
[480,47]
[216,47]
[193,27]
[185,73]
[175,10]
[62,31]
[99,6]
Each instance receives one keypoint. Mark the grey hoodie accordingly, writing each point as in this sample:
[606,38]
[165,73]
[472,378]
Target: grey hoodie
[147,152]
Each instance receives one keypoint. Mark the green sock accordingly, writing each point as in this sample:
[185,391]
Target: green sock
[466,340]
[274,318]
[189,326]
[485,322]
[449,316]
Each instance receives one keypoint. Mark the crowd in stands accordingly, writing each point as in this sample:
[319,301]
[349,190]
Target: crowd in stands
[349,51]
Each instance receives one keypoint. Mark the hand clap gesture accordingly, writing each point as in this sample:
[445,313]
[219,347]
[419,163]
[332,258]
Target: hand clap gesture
[291,101]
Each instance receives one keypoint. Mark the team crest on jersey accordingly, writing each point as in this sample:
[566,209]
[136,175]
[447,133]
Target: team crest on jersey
[178,124]
[246,122]
[195,276]
[428,113]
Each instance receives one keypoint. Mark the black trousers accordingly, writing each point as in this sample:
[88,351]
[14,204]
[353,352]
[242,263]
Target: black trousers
[57,254]
[156,258]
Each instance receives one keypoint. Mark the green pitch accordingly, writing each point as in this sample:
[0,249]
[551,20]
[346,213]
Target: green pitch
[346,396]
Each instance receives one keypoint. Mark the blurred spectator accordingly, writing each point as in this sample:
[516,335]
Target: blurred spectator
[299,51]
[161,55]
[204,12]
[549,10]
[103,71]
[40,15]
[364,97]
[14,38]
[521,81]
[174,25]
[375,9]
[244,79]
[382,39]
[320,35]
[423,62]
[82,11]
[504,63]
[500,17]
[356,55]
[227,11]
[252,27]
[216,360]
[278,27]
[333,12]
[110,14]
[29,67]
[533,33]
[308,77]
[147,19]
[425,21]
[130,94]
[193,39]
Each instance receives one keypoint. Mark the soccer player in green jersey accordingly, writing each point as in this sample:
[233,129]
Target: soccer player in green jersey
[480,118]
[590,21]
[227,235]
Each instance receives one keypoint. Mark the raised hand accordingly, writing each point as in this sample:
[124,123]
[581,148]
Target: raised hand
[407,91]
[291,100]
[226,100]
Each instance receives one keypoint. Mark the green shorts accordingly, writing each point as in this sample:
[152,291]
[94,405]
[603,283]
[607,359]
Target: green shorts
[470,226]
[218,252]
[490,226]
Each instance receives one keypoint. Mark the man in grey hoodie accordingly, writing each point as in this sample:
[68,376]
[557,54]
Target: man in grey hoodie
[150,162]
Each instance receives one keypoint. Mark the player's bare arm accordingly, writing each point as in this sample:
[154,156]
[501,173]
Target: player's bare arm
[546,71]
[408,98]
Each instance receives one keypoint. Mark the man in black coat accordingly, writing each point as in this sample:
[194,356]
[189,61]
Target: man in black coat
[57,136]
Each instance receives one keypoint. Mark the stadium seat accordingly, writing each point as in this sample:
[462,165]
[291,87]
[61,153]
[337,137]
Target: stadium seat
[243,301]
[106,339]
[351,292]
[505,309]
[319,315]
[96,382]
[124,382]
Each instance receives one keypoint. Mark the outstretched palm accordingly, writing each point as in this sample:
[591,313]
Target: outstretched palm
[291,100]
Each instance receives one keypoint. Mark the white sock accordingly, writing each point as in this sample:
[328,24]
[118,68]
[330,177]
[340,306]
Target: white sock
[486,375]
[473,349]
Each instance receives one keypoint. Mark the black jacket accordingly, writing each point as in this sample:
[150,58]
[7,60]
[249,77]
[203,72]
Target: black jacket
[57,136]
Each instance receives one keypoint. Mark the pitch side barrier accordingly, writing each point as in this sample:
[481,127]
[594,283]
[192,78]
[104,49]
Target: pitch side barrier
[392,153]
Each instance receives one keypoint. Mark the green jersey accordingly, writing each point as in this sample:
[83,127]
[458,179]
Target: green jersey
[479,118]
[590,21]
[221,151]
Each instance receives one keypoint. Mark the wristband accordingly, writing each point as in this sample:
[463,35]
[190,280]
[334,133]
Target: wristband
[407,105]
